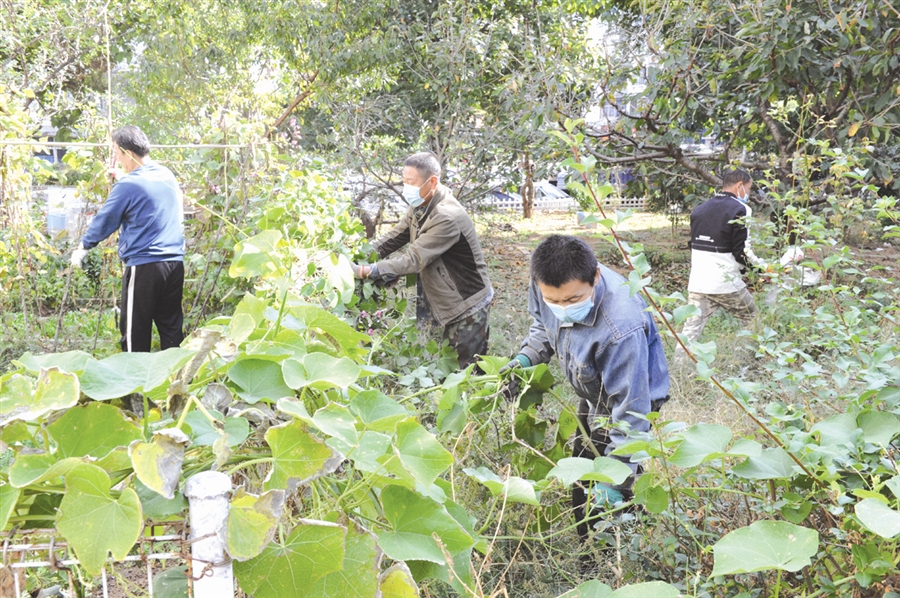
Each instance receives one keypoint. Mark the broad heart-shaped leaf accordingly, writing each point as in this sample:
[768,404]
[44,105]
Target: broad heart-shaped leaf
[9,496]
[36,468]
[515,489]
[252,521]
[288,568]
[701,442]
[764,546]
[377,411]
[93,522]
[589,589]
[158,463]
[397,582]
[124,373]
[367,453]
[413,519]
[334,329]
[55,390]
[772,464]
[257,256]
[70,361]
[878,427]
[202,432]
[155,506]
[358,577]
[320,371]
[92,430]
[259,379]
[879,518]
[420,453]
[601,469]
[337,421]
[246,317]
[657,589]
[298,457]
[837,430]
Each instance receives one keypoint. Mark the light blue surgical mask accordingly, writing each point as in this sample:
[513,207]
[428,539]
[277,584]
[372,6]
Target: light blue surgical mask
[572,313]
[411,195]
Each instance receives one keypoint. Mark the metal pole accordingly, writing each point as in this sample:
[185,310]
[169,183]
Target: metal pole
[207,495]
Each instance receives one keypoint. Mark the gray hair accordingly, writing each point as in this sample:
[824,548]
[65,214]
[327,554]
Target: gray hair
[426,163]
[132,139]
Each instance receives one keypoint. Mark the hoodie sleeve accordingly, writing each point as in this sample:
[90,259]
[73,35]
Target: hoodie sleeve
[109,217]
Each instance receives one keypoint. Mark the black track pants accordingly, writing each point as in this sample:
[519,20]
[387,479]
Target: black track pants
[152,293]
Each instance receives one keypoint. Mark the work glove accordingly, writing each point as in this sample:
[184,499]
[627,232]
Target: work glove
[510,390]
[78,255]
[360,270]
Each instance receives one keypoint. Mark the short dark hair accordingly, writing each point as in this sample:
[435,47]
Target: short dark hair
[425,163]
[132,139]
[732,177]
[559,259]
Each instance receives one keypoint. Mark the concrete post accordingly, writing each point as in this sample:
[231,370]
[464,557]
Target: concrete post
[208,493]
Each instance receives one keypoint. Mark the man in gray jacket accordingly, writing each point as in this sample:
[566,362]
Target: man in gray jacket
[453,286]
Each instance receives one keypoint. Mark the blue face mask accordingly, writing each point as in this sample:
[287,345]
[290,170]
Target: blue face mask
[572,313]
[411,195]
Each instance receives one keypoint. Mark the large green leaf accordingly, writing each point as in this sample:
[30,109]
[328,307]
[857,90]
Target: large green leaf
[337,421]
[358,577]
[55,390]
[367,454]
[259,379]
[772,464]
[203,433]
[320,371]
[125,373]
[601,469]
[158,463]
[257,256]
[298,457]
[589,589]
[246,317]
[377,411]
[252,521]
[514,489]
[879,427]
[326,325]
[413,519]
[764,546]
[837,430]
[657,589]
[155,506]
[36,468]
[93,522]
[421,455]
[92,430]
[9,496]
[70,361]
[879,518]
[701,442]
[289,567]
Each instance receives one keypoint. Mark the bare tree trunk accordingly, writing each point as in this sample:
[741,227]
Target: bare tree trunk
[528,187]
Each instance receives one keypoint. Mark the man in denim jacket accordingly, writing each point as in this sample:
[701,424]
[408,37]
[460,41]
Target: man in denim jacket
[607,345]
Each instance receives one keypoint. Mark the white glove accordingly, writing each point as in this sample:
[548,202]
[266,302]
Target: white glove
[360,270]
[78,255]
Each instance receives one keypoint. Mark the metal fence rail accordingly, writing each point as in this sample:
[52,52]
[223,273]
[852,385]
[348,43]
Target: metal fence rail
[26,550]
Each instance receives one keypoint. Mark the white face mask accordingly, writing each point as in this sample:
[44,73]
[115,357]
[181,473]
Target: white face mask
[412,196]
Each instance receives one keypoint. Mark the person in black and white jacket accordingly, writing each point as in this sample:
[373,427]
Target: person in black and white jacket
[720,254]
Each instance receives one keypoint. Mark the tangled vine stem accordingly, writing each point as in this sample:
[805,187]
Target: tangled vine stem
[671,329]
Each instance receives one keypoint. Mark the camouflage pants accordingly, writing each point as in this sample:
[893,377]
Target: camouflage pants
[739,304]
[468,335]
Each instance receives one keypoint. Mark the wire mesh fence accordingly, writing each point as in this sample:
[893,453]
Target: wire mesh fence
[38,561]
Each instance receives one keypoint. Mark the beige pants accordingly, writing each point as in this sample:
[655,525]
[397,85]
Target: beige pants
[739,304]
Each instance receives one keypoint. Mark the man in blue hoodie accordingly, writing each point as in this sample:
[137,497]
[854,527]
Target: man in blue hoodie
[146,203]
